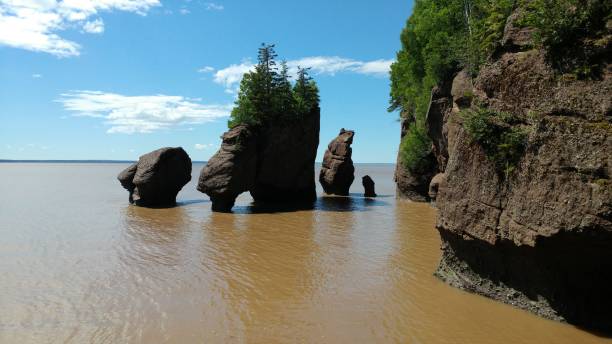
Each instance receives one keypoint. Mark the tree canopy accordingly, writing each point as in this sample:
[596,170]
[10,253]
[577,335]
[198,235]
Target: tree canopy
[266,93]
[440,38]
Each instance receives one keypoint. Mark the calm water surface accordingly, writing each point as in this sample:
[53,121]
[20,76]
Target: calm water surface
[79,265]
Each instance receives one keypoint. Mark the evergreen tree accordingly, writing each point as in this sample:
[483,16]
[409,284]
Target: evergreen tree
[284,103]
[305,92]
[266,93]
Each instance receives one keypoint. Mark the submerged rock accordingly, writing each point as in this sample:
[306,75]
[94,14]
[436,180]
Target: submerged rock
[275,163]
[337,170]
[368,186]
[157,177]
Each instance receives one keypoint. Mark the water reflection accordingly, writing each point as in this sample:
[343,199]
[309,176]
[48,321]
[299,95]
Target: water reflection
[153,236]
[264,263]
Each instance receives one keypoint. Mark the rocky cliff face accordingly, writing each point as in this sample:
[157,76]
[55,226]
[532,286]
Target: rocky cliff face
[274,162]
[539,235]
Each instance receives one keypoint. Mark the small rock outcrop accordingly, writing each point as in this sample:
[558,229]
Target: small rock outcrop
[337,170]
[275,163]
[157,177]
[368,186]
[436,182]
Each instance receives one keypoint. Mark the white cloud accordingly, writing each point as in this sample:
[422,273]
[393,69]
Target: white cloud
[141,114]
[211,6]
[37,76]
[95,26]
[230,76]
[184,11]
[35,24]
[200,146]
[206,69]
[377,67]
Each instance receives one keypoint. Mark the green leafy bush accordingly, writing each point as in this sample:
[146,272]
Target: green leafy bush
[569,29]
[415,149]
[499,134]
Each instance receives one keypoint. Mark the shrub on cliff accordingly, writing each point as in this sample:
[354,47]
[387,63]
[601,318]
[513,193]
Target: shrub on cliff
[266,94]
[440,38]
[572,32]
[499,134]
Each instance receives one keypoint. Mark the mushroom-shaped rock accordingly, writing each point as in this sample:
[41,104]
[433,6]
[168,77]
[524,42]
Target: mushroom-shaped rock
[337,171]
[231,171]
[157,177]
[368,186]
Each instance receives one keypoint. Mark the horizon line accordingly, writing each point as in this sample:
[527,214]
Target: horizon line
[115,161]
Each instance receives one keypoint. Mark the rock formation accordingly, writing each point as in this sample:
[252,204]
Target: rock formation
[275,163]
[337,170]
[157,177]
[231,171]
[538,235]
[368,186]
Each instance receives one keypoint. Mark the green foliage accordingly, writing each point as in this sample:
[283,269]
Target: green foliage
[440,38]
[564,27]
[499,135]
[305,93]
[415,149]
[266,94]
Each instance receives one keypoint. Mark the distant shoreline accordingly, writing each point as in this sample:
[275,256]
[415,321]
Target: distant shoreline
[131,162]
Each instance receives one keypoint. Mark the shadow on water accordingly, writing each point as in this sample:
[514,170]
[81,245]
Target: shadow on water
[325,203]
[170,206]
[191,201]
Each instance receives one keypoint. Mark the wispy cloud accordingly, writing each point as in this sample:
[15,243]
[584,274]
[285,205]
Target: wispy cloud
[206,69]
[211,6]
[184,11]
[230,76]
[141,114]
[94,26]
[35,25]
[37,76]
[203,146]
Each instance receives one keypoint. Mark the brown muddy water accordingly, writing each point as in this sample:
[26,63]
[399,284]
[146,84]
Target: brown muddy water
[79,265]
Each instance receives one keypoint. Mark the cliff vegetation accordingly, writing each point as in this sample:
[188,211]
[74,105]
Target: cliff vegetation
[442,37]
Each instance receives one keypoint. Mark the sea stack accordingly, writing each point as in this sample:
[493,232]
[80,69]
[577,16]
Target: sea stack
[368,186]
[157,177]
[337,170]
[275,163]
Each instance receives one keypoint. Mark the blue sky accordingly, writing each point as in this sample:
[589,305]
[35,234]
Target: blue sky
[114,79]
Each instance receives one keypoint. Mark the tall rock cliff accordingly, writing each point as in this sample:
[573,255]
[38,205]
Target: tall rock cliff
[525,217]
